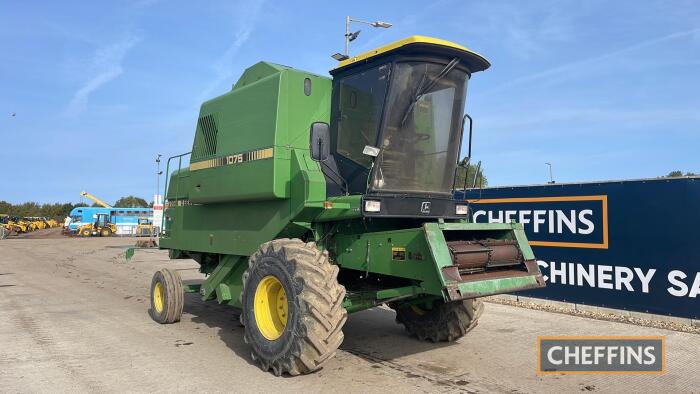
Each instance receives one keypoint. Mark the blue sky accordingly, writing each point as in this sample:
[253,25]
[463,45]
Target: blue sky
[601,89]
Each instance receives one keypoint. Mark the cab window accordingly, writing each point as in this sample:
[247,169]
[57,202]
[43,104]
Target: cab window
[361,103]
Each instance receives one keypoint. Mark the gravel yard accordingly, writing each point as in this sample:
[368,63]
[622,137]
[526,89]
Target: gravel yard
[74,318]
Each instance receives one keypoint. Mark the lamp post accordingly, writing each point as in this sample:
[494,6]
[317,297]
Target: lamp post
[551,178]
[158,173]
[352,36]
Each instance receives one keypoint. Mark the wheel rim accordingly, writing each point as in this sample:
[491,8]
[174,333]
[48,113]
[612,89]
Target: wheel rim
[270,307]
[417,310]
[158,297]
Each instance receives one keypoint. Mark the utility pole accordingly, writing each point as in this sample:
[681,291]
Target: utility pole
[158,173]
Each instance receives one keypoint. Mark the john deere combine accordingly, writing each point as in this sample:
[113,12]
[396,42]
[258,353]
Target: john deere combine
[307,198]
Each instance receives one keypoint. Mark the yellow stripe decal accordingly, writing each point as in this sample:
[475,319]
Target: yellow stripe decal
[236,158]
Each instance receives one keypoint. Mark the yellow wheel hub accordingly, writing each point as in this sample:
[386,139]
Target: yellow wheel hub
[270,308]
[418,310]
[158,297]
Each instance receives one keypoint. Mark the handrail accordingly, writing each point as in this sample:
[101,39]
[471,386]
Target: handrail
[167,178]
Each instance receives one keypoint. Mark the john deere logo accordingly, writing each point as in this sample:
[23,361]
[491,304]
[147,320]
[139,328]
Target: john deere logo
[425,207]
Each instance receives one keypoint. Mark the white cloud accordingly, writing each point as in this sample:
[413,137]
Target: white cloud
[568,70]
[524,31]
[543,121]
[104,66]
[246,17]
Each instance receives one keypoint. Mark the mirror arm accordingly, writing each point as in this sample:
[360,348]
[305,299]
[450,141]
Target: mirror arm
[469,150]
[465,162]
[320,150]
[466,175]
[322,160]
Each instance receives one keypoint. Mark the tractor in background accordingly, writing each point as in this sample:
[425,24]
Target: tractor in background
[145,227]
[102,226]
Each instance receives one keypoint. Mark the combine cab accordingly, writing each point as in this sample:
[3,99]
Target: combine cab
[307,198]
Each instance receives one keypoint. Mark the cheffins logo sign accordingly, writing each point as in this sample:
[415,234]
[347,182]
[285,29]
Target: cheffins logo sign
[651,262]
[562,221]
[601,355]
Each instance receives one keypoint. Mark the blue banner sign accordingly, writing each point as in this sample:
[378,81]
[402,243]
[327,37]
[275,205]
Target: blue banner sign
[631,245]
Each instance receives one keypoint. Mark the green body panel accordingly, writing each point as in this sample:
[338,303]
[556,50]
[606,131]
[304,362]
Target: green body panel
[371,252]
[232,208]
[341,208]
[422,253]
[368,299]
[498,286]
[180,183]
[226,283]
[267,109]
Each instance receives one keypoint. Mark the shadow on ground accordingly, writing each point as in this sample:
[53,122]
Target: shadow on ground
[223,317]
[371,334]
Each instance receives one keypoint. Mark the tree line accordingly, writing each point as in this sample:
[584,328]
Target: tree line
[469,172]
[677,173]
[61,210]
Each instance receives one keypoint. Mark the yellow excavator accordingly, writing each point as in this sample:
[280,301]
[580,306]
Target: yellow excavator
[102,226]
[22,225]
[39,223]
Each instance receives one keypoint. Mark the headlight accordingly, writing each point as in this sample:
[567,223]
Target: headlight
[461,209]
[372,206]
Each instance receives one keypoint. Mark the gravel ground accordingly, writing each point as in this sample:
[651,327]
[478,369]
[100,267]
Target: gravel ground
[73,318]
[667,325]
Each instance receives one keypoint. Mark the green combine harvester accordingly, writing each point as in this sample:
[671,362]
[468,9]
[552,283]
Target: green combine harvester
[308,198]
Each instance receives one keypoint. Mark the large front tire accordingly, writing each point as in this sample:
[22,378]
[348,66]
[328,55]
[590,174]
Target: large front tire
[292,307]
[444,322]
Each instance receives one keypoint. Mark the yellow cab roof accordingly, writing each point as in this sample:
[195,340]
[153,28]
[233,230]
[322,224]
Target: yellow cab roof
[475,61]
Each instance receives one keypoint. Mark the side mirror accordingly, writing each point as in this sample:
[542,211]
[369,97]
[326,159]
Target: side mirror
[320,141]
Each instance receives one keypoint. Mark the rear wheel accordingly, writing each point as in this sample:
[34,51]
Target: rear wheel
[106,232]
[167,296]
[292,307]
[444,322]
